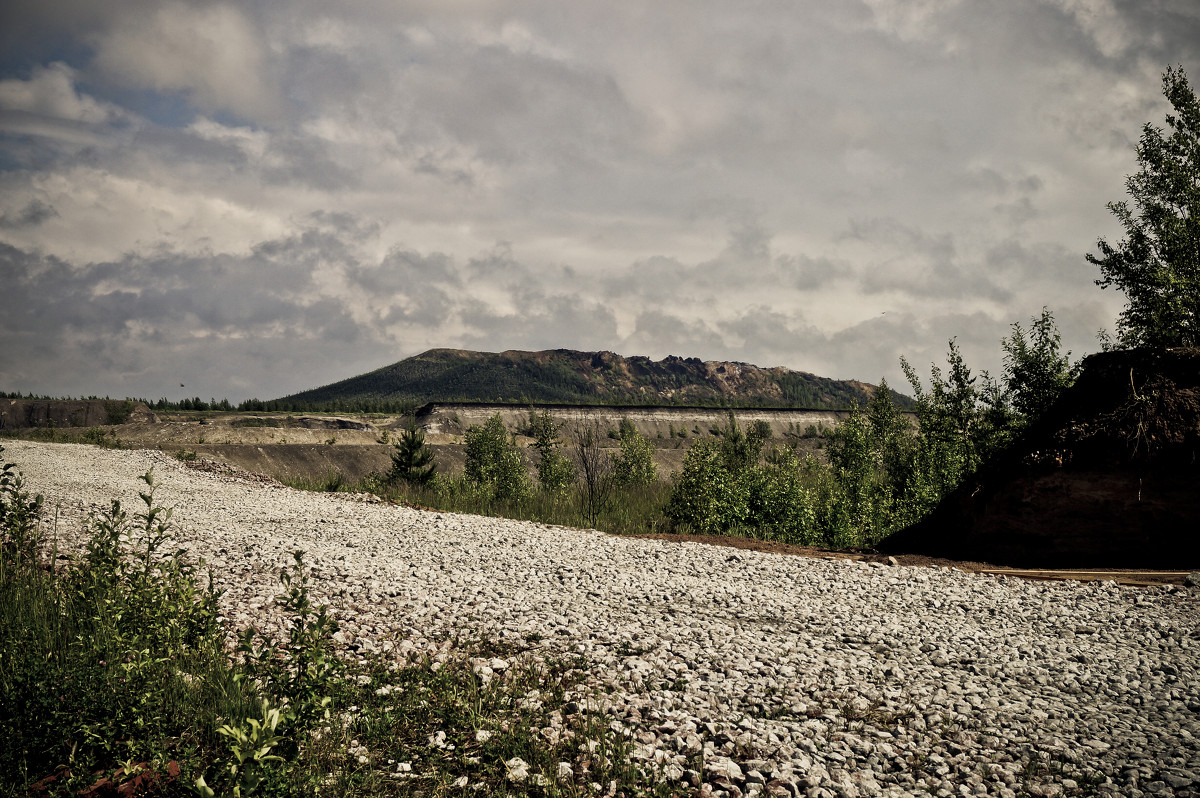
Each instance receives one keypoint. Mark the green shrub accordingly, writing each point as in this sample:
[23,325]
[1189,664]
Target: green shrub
[780,502]
[555,472]
[705,496]
[493,461]
[115,659]
[118,412]
[634,466]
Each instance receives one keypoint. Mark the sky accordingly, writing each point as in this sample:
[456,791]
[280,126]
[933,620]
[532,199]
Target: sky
[235,200]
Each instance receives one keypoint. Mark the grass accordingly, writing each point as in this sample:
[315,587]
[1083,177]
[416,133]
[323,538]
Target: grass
[97,436]
[114,666]
[634,510]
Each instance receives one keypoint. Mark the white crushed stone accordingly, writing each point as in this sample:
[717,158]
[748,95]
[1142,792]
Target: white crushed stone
[791,676]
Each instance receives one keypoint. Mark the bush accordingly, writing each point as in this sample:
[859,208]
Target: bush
[634,466]
[494,463]
[555,472]
[706,496]
[1157,264]
[116,659]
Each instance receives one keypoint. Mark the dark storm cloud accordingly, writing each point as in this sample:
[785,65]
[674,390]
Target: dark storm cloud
[31,215]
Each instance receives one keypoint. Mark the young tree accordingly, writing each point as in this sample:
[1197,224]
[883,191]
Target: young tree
[634,466]
[1035,370]
[595,471]
[555,472]
[1157,265]
[412,461]
[493,461]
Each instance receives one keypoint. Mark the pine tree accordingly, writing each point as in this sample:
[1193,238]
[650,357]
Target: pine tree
[412,461]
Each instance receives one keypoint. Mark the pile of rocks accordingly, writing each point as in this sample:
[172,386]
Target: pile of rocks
[734,672]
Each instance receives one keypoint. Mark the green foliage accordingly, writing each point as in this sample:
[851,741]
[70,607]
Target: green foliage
[19,515]
[782,498]
[115,664]
[875,484]
[493,461]
[741,450]
[114,659]
[98,436]
[634,466]
[1157,264]
[412,462]
[1035,371]
[706,496]
[251,762]
[334,481]
[118,412]
[556,473]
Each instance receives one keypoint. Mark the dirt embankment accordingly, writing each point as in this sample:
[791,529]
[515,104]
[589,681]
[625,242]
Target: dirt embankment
[16,414]
[314,446]
[1109,477]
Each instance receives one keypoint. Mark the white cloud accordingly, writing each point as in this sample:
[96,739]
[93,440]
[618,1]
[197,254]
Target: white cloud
[50,92]
[819,184]
[211,51]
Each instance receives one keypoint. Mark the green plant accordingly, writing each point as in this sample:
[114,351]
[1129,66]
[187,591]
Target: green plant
[1035,372]
[412,461]
[555,472]
[334,481]
[301,673]
[250,745]
[706,495]
[118,412]
[1157,265]
[98,436]
[493,461]
[634,465]
[111,663]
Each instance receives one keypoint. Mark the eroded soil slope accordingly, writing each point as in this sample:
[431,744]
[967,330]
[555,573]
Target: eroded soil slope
[1108,478]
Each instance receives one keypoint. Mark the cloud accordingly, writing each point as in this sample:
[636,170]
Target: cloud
[212,52]
[278,197]
[50,92]
[31,215]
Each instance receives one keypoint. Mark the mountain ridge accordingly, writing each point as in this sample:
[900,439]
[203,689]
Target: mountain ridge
[569,376]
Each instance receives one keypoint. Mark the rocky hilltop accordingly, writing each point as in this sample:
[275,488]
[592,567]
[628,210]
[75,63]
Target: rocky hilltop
[573,377]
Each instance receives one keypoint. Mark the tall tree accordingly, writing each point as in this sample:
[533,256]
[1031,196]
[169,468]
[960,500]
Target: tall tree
[1157,265]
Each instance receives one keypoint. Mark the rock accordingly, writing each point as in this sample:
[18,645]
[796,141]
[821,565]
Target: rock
[517,770]
[1178,779]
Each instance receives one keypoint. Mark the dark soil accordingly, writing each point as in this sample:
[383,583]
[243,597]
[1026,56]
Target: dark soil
[1123,575]
[1109,478]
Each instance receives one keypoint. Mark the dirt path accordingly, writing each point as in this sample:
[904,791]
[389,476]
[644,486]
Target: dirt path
[1120,576]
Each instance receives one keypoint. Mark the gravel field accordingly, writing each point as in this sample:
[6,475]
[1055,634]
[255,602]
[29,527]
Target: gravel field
[793,676]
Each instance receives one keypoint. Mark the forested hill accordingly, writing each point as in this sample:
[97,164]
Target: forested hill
[565,376]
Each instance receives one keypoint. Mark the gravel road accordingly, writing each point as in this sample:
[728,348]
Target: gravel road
[793,676]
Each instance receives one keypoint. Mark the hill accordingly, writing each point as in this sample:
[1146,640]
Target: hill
[564,376]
